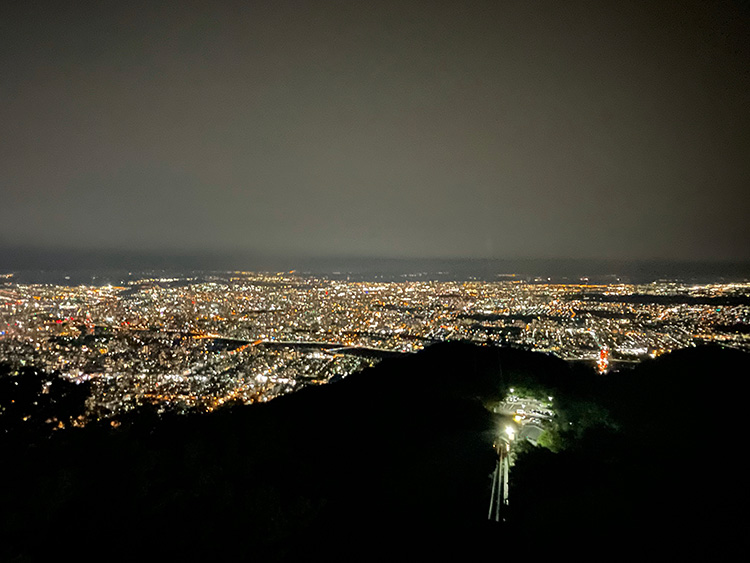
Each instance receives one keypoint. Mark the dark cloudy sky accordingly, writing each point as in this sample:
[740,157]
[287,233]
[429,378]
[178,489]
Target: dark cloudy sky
[404,129]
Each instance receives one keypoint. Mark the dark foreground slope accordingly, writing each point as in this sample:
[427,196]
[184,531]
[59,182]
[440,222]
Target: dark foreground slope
[344,470]
[393,461]
[662,472]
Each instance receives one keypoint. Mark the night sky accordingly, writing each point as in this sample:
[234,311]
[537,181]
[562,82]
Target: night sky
[408,129]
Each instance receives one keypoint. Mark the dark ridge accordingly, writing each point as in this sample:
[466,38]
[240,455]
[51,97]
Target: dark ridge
[394,461]
[405,447]
[658,469]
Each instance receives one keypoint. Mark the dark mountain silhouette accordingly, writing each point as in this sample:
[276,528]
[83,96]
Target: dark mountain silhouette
[394,461]
[33,402]
[660,474]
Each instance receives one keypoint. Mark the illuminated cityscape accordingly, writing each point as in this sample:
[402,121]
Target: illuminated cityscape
[348,281]
[203,340]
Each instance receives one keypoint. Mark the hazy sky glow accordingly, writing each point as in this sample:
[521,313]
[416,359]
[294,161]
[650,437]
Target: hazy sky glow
[402,129]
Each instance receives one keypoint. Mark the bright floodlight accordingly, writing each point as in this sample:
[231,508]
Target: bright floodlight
[510,431]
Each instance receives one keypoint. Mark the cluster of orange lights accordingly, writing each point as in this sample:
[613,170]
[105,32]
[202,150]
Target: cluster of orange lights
[603,362]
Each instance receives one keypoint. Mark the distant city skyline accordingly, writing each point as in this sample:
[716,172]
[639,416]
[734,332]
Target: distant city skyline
[287,130]
[204,339]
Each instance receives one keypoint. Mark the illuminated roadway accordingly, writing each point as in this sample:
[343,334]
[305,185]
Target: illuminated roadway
[525,420]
